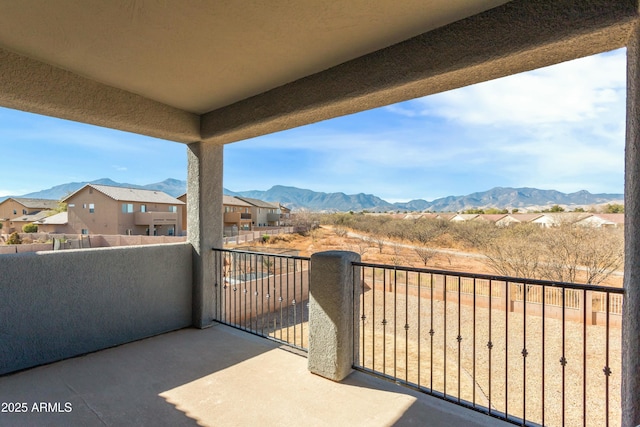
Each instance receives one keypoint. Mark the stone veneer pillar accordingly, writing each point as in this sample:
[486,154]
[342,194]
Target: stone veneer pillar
[204,224]
[631,309]
[331,308]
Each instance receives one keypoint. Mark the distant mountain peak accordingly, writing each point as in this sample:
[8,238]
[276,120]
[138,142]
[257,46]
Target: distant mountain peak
[297,198]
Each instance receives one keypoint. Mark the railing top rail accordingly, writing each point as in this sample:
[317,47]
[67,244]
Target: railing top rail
[549,283]
[237,251]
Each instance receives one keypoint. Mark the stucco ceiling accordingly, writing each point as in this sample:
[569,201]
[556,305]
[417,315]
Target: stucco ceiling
[199,56]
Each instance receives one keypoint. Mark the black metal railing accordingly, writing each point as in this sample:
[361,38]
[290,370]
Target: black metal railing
[263,293]
[530,352]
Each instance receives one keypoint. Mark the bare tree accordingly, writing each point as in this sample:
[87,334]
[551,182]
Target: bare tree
[397,258]
[425,253]
[361,246]
[515,252]
[379,241]
[602,254]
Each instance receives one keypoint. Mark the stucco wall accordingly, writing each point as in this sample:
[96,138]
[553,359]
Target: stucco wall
[55,305]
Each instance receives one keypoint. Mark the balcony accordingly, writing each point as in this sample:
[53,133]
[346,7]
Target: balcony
[218,375]
[273,217]
[156,218]
[236,217]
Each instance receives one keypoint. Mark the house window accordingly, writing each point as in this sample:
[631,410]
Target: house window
[84,231]
[24,211]
[71,205]
[15,212]
[92,208]
[84,206]
[143,208]
[173,209]
[127,208]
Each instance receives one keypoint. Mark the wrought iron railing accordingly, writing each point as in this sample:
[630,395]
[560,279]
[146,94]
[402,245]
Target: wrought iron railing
[530,352]
[265,294]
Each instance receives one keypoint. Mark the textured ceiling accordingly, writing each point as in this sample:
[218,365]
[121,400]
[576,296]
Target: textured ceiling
[203,55]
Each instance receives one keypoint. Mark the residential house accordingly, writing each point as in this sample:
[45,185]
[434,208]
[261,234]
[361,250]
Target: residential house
[492,218]
[510,219]
[102,209]
[603,220]
[57,223]
[183,208]
[18,222]
[285,215]
[68,62]
[237,215]
[263,214]
[556,219]
[463,217]
[14,207]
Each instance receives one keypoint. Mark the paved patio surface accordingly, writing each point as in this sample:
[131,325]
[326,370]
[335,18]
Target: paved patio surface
[213,377]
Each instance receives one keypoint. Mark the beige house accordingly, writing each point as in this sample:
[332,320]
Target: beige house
[603,220]
[16,224]
[263,214]
[58,223]
[15,207]
[102,209]
[183,208]
[237,214]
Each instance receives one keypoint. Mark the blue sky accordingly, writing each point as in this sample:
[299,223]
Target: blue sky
[560,127]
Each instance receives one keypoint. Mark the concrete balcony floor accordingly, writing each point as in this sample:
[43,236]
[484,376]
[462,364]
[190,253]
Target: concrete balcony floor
[214,377]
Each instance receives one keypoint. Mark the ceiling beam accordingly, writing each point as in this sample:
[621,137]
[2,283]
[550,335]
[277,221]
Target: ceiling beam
[519,36]
[36,87]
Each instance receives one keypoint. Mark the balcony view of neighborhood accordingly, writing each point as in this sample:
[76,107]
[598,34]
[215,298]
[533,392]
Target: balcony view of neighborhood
[330,214]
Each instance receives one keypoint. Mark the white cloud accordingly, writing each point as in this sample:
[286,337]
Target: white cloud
[571,92]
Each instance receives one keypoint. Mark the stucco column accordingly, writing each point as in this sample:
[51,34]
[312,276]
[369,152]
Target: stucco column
[631,308]
[331,307]
[204,224]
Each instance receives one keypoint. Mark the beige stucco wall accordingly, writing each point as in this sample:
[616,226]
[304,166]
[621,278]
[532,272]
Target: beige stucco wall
[55,305]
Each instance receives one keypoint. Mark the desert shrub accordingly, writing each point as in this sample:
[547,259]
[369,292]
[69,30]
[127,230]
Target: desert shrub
[30,228]
[14,239]
[281,238]
[265,238]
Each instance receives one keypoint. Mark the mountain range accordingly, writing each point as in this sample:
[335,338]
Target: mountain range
[297,198]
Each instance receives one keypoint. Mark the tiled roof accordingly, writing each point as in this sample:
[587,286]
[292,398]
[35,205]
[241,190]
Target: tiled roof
[57,219]
[525,217]
[234,201]
[36,203]
[258,203]
[617,218]
[133,195]
[31,217]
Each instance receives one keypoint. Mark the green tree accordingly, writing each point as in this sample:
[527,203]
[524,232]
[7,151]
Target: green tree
[614,208]
[30,228]
[556,208]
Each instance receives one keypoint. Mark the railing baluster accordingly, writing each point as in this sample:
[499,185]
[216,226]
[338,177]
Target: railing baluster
[584,358]
[419,331]
[473,361]
[406,326]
